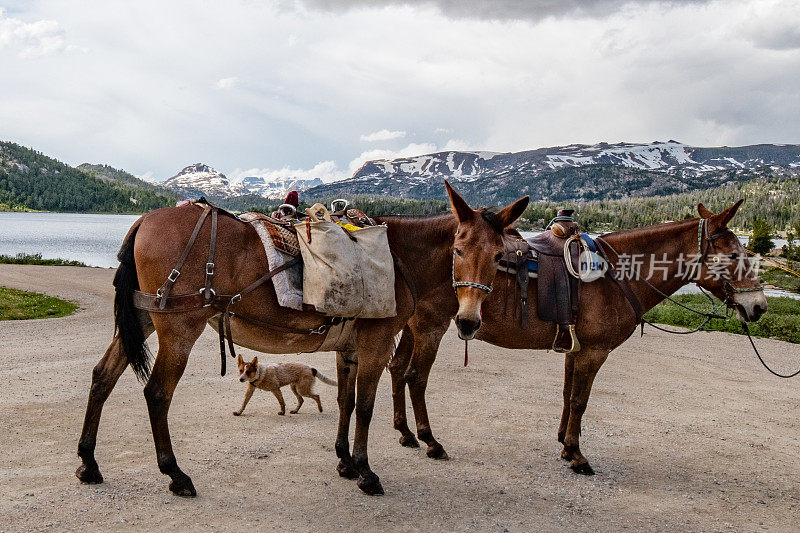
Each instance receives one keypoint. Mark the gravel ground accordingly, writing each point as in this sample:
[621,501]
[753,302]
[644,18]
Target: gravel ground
[685,433]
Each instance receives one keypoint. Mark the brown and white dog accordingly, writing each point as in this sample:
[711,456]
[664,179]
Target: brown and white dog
[272,376]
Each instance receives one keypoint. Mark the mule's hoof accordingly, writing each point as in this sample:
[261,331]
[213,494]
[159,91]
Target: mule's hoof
[294,412]
[281,413]
[237,414]
[409,441]
[90,476]
[346,470]
[436,451]
[183,487]
[583,469]
[370,484]
[566,455]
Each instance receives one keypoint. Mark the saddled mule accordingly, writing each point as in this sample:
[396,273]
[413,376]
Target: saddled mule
[606,318]
[423,249]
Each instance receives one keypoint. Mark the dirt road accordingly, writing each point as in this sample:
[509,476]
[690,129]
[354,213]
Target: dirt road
[685,433]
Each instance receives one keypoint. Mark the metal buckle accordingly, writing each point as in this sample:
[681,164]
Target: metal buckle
[173,275]
[160,293]
[208,297]
[209,269]
[320,330]
[235,298]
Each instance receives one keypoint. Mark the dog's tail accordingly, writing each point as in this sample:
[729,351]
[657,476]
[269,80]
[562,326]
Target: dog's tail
[317,374]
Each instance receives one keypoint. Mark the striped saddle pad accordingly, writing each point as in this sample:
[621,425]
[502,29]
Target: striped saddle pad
[282,235]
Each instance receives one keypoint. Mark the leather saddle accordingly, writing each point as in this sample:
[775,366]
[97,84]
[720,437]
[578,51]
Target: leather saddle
[557,290]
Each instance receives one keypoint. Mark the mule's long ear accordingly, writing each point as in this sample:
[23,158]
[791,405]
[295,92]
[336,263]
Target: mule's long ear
[721,220]
[704,212]
[254,361]
[461,209]
[239,360]
[510,214]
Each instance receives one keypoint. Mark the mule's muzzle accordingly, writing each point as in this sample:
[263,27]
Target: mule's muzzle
[752,314]
[467,327]
[750,306]
[241,380]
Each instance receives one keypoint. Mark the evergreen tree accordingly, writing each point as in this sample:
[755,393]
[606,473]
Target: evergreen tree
[761,239]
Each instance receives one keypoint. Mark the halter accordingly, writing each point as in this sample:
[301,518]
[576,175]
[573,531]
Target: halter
[702,252]
[475,285]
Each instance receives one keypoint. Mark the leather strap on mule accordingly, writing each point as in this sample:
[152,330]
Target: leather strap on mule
[224,324]
[208,291]
[621,283]
[163,292]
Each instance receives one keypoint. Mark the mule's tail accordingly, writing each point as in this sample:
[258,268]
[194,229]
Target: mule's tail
[127,326]
[322,378]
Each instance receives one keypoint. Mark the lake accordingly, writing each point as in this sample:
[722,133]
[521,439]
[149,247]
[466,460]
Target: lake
[93,239]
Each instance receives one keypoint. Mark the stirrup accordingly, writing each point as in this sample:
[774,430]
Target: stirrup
[575,346]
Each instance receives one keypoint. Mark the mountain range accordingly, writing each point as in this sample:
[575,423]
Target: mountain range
[31,180]
[574,172]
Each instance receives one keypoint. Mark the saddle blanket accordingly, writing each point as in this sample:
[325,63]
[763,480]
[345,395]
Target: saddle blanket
[280,246]
[533,259]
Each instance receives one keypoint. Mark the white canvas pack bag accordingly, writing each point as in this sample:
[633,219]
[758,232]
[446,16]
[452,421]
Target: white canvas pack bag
[347,273]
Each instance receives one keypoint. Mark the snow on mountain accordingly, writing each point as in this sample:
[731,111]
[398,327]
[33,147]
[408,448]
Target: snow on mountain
[276,188]
[205,180]
[658,156]
[574,171]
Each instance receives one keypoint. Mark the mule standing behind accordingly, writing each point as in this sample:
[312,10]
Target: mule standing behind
[606,320]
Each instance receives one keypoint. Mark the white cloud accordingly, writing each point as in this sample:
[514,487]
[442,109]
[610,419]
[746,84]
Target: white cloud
[458,145]
[148,176]
[774,25]
[383,135]
[312,83]
[32,39]
[370,155]
[227,83]
[327,171]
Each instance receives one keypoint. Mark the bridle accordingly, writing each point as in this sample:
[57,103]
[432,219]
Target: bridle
[474,284]
[491,219]
[702,251]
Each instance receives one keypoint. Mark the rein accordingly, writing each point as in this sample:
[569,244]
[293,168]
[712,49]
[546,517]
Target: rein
[730,291]
[753,344]
[702,230]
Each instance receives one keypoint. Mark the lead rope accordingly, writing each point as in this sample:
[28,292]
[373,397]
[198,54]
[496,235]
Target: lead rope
[753,344]
[466,352]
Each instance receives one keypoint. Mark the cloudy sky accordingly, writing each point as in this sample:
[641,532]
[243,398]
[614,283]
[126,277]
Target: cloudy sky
[316,87]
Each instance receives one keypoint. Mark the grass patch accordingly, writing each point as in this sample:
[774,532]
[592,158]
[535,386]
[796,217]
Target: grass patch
[22,305]
[36,259]
[780,278]
[781,321]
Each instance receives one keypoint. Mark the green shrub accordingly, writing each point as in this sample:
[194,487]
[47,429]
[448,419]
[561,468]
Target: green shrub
[781,321]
